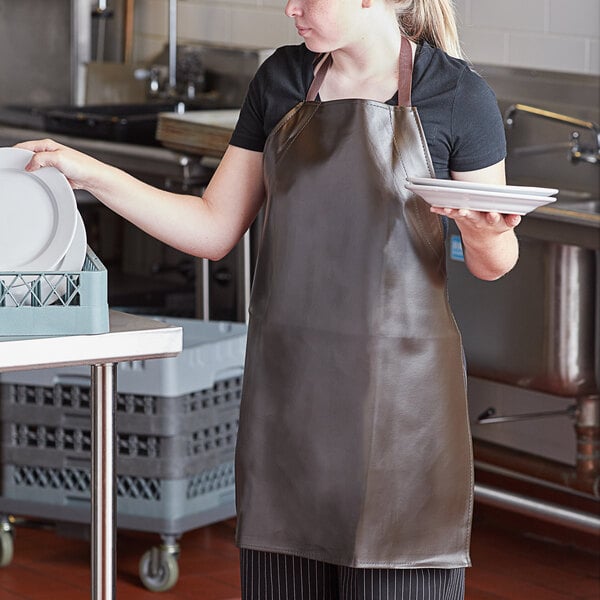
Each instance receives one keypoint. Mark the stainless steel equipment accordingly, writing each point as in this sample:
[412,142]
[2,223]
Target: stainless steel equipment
[535,327]
[532,338]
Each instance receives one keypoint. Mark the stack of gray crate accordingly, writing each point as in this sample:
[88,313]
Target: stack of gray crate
[176,421]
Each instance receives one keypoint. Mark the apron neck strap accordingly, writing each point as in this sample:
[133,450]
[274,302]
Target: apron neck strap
[405,64]
[405,68]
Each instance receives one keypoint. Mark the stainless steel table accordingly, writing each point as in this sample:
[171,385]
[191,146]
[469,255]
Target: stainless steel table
[130,338]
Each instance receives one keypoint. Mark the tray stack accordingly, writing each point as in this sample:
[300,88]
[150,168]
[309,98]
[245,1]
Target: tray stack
[176,421]
[204,132]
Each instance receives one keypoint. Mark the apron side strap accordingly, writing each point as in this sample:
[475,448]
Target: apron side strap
[405,73]
[315,86]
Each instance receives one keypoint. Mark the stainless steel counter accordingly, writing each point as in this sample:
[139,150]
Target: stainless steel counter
[130,338]
[564,223]
[154,160]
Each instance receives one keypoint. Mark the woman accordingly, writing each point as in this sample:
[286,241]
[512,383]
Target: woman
[353,465]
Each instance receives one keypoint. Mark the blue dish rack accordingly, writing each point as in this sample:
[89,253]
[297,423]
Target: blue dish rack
[176,421]
[54,302]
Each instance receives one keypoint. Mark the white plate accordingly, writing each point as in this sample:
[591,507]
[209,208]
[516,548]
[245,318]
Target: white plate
[512,204]
[51,284]
[37,214]
[485,187]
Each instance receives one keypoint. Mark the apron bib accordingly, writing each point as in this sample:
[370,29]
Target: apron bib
[354,445]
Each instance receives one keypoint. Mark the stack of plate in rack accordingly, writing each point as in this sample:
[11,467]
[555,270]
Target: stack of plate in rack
[485,197]
[41,229]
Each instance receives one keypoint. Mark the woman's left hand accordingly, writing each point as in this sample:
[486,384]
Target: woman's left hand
[477,222]
[488,238]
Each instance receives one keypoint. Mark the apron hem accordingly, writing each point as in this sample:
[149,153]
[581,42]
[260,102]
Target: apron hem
[356,564]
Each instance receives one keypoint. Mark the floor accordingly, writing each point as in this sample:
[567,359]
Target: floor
[507,565]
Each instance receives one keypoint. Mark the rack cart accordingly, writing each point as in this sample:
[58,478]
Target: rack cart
[176,424]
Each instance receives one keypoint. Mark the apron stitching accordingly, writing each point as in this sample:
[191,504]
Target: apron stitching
[469,447]
[293,138]
[309,554]
[414,114]
[418,204]
[286,118]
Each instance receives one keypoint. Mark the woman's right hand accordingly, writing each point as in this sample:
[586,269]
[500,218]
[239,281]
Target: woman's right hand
[82,171]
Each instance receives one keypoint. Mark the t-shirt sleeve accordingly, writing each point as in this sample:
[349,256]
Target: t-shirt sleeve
[477,127]
[249,131]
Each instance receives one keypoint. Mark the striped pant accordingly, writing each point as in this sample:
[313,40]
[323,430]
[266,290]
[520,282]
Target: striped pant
[271,576]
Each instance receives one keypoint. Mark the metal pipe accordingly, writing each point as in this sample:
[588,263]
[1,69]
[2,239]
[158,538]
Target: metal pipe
[515,461]
[103,529]
[587,429]
[205,289]
[504,472]
[509,117]
[546,511]
[81,34]
[172,46]
[246,274]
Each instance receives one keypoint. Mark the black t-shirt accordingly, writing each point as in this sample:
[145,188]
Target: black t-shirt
[458,110]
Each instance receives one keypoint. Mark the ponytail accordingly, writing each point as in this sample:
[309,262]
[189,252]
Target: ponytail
[432,21]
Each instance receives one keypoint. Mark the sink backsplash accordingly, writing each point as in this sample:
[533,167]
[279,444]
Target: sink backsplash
[538,149]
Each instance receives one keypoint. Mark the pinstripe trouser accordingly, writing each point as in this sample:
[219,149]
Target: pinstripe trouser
[271,576]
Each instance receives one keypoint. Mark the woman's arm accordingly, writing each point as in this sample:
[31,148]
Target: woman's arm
[490,245]
[208,227]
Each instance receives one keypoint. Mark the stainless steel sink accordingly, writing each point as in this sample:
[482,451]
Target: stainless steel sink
[536,326]
[585,202]
[586,206]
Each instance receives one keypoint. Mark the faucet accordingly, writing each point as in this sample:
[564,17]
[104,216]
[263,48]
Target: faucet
[155,73]
[576,151]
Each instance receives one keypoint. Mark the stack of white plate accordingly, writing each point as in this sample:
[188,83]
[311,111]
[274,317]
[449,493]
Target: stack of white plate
[41,229]
[485,197]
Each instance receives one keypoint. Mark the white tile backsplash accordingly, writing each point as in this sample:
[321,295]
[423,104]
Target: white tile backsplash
[484,45]
[593,56]
[508,15]
[557,53]
[202,22]
[262,28]
[151,17]
[559,35]
[575,17]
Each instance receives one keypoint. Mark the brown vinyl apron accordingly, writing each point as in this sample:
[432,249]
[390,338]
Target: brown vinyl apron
[354,444]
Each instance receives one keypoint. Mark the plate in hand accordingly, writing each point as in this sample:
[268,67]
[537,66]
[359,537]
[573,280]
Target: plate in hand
[484,201]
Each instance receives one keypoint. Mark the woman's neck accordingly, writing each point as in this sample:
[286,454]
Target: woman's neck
[367,68]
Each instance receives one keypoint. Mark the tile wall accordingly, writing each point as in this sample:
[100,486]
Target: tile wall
[558,35]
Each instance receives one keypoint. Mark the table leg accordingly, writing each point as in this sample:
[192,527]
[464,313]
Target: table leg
[103,525]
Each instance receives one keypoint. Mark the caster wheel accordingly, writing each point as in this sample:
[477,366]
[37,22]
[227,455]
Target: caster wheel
[159,570]
[6,548]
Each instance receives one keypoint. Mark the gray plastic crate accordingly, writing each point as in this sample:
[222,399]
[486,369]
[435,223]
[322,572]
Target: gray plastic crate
[66,440]
[45,414]
[33,304]
[167,506]
[136,413]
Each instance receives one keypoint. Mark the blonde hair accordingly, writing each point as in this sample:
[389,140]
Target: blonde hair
[432,21]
